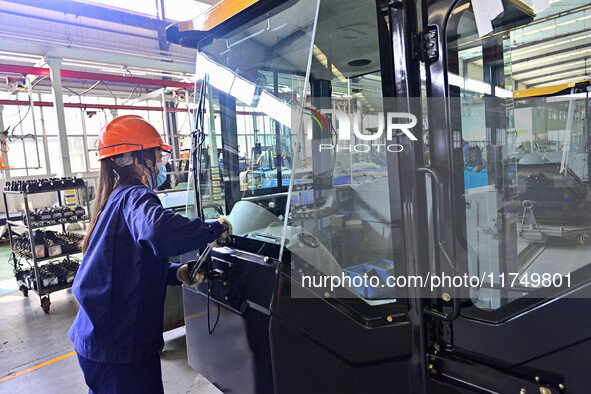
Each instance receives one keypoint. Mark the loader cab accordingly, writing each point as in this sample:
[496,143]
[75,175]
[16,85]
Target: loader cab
[361,150]
[291,100]
[295,150]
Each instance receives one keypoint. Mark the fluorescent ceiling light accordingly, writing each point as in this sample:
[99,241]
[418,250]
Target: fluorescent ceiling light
[503,93]
[321,57]
[529,33]
[561,81]
[477,86]
[554,99]
[549,59]
[516,53]
[580,72]
[521,76]
[136,6]
[455,80]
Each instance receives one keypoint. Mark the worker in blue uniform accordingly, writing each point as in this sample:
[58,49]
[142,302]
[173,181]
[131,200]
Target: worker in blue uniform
[121,283]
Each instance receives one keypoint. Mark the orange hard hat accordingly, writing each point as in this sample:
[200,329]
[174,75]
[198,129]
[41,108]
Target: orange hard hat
[128,133]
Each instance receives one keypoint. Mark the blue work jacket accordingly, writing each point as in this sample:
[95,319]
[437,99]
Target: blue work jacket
[121,283]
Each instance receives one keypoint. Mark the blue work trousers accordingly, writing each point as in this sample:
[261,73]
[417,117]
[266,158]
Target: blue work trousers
[142,378]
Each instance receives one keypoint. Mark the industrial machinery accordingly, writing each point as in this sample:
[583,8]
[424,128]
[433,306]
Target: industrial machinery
[309,134]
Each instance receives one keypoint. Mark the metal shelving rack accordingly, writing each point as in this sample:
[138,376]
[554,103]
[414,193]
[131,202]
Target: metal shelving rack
[38,286]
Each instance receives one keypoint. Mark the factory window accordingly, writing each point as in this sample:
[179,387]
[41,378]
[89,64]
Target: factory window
[524,212]
[140,7]
[181,10]
[23,136]
[55,160]
[30,155]
[73,121]
[77,154]
[35,152]
[92,143]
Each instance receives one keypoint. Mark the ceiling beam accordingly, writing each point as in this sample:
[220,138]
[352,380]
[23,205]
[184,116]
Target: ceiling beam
[551,82]
[547,39]
[96,12]
[547,54]
[68,74]
[94,106]
[95,56]
[542,68]
[528,80]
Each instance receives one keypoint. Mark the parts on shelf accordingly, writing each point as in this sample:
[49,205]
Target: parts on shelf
[43,185]
[48,244]
[50,274]
[38,245]
[55,215]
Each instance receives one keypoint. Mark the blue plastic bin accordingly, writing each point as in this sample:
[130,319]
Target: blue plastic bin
[382,268]
[475,179]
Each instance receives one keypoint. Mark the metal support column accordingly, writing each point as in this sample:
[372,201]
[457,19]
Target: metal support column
[58,102]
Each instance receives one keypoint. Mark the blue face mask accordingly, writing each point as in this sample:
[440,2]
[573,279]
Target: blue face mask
[161,177]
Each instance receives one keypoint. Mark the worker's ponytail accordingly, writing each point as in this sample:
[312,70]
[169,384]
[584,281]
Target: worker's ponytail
[112,176]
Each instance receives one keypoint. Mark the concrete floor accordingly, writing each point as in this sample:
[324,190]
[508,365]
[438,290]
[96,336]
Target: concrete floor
[30,342]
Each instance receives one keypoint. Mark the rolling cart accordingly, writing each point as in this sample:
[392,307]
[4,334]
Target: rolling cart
[49,254]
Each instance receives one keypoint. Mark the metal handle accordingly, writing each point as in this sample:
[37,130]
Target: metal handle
[443,248]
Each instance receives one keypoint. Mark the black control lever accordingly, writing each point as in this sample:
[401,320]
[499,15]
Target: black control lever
[194,266]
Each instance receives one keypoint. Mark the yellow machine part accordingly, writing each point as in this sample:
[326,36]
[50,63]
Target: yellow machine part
[546,90]
[215,15]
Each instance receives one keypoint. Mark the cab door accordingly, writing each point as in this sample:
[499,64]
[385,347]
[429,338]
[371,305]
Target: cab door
[356,197]
[508,147]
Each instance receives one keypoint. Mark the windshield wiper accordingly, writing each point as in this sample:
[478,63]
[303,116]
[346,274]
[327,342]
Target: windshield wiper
[197,139]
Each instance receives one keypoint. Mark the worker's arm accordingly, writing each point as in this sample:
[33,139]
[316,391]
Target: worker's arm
[163,232]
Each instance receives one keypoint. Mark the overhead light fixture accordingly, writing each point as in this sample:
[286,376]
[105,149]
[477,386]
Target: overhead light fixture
[503,93]
[477,86]
[561,81]
[516,54]
[579,72]
[455,80]
[521,76]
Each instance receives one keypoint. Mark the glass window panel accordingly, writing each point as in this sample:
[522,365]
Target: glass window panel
[50,120]
[26,121]
[47,97]
[36,156]
[15,154]
[73,118]
[93,153]
[77,154]
[106,100]
[55,157]
[524,151]
[184,121]
[70,98]
[86,99]
[181,10]
[156,119]
[139,7]
[17,173]
[95,120]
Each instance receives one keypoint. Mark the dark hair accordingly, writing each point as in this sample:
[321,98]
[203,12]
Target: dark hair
[110,178]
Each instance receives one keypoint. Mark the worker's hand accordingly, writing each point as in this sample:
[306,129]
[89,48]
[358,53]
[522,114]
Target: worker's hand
[183,275]
[225,237]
